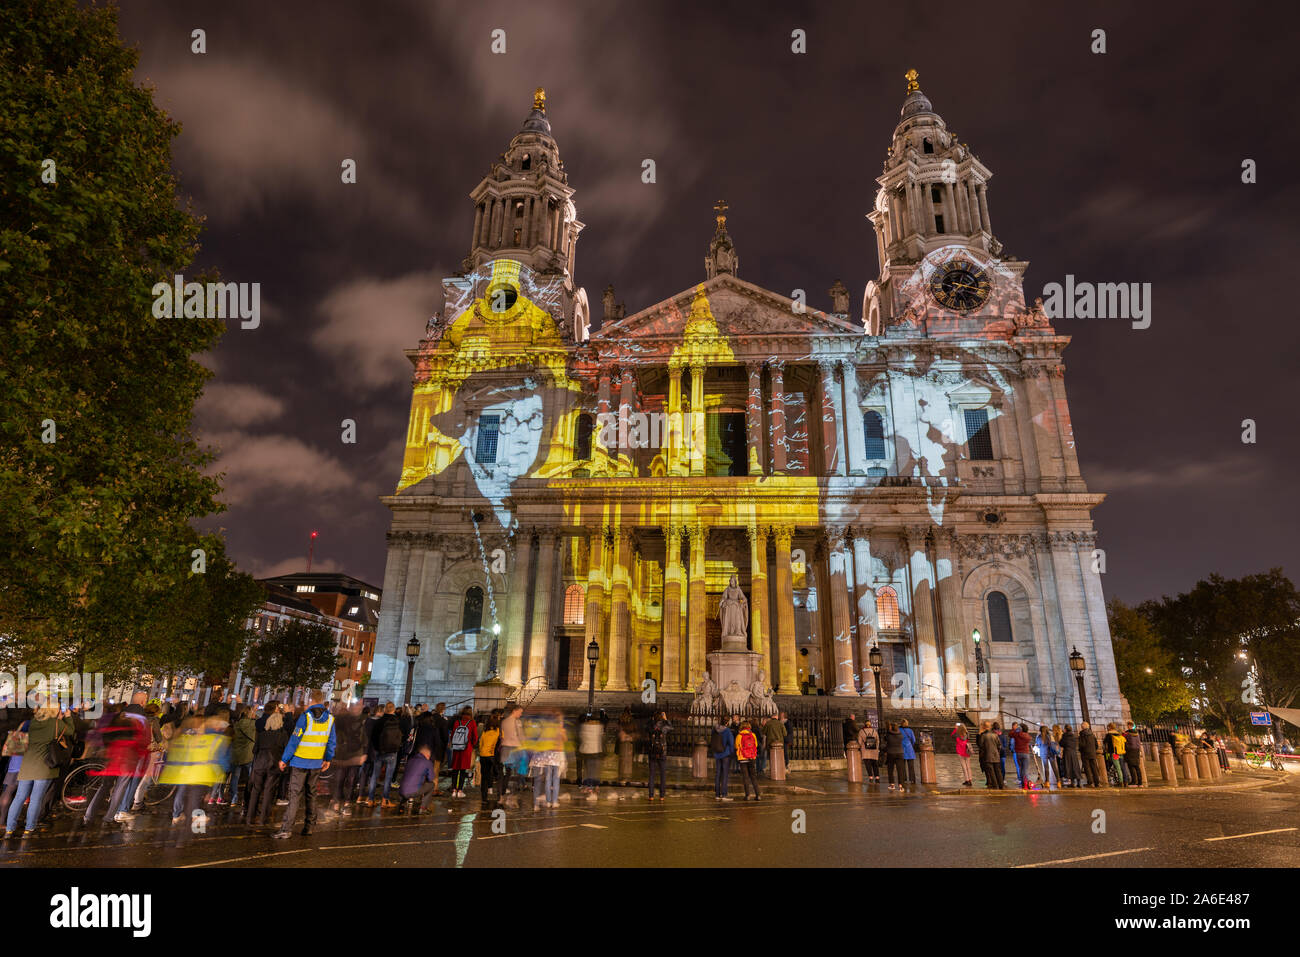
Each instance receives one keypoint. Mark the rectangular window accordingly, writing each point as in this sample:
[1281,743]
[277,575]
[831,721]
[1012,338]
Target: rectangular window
[938,224]
[488,428]
[979,444]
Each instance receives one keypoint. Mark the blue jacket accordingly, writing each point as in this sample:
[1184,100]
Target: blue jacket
[290,757]
[419,769]
[728,744]
[909,744]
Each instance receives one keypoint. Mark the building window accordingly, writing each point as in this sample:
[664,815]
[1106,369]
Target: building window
[582,438]
[887,609]
[354,609]
[489,427]
[979,443]
[935,195]
[471,617]
[875,432]
[574,605]
[876,472]
[927,146]
[938,224]
[519,236]
[527,163]
[999,617]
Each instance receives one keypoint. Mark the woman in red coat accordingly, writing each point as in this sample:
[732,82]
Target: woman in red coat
[126,738]
[460,750]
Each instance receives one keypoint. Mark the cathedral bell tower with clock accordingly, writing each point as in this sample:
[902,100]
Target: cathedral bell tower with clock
[940,262]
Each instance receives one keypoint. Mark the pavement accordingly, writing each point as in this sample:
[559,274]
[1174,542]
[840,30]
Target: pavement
[815,818]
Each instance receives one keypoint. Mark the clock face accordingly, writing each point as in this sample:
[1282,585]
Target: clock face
[960,285]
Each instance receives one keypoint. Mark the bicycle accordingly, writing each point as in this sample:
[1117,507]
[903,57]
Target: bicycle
[85,780]
[1256,758]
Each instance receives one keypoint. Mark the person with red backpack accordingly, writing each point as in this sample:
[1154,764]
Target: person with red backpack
[747,757]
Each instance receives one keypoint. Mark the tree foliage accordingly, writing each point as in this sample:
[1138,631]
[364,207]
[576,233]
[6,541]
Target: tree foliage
[94,526]
[299,654]
[1149,675]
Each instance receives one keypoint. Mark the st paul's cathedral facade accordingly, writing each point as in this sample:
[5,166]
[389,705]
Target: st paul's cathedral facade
[904,478]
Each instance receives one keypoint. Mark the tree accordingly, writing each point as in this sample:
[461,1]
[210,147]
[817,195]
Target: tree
[100,475]
[1149,675]
[299,654]
[1221,629]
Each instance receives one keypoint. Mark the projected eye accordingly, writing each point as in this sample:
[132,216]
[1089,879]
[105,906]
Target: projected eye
[502,297]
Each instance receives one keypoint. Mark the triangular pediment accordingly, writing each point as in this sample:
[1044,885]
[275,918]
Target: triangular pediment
[739,309]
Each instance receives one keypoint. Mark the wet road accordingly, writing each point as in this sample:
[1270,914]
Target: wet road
[1255,825]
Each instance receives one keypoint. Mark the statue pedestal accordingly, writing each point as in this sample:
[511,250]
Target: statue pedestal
[739,665]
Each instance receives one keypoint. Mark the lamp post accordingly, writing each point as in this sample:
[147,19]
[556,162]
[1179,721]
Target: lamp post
[1078,665]
[492,661]
[412,652]
[877,661]
[979,655]
[593,656]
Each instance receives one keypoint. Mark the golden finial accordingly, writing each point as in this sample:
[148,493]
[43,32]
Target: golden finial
[721,207]
[539,99]
[912,85]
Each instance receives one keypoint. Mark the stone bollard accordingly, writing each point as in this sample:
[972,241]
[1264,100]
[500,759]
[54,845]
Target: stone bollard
[1189,764]
[1153,751]
[1203,764]
[700,760]
[1216,771]
[853,760]
[1142,769]
[777,756]
[925,757]
[625,760]
[1167,771]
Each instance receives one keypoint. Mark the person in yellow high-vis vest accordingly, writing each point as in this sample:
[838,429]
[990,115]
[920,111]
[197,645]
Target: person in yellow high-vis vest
[197,758]
[308,753]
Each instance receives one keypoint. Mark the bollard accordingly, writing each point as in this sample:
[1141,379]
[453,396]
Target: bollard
[700,760]
[853,760]
[1189,764]
[925,756]
[1216,770]
[1203,764]
[625,760]
[1142,769]
[1153,752]
[1167,771]
[776,754]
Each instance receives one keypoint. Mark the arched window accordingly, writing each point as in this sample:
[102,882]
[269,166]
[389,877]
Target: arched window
[999,617]
[927,146]
[582,438]
[887,609]
[875,432]
[471,618]
[574,605]
[528,162]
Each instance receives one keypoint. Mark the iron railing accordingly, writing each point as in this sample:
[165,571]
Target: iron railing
[813,732]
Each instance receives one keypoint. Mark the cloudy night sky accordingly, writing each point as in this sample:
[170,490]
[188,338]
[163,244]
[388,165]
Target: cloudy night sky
[1122,167]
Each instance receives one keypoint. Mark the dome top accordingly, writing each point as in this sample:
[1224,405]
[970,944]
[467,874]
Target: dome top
[916,102]
[537,121]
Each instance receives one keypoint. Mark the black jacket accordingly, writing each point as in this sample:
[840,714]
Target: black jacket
[1069,741]
[377,734]
[273,741]
[1087,743]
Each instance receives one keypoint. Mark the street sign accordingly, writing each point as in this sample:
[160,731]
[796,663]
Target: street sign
[1261,717]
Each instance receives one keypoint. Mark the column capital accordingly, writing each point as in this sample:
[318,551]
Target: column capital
[697,366]
[834,536]
[783,534]
[676,364]
[755,366]
[827,366]
[673,533]
[776,365]
[757,534]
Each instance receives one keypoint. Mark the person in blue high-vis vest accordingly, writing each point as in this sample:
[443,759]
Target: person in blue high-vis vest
[308,753]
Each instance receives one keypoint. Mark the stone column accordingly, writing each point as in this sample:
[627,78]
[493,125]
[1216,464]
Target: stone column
[626,406]
[789,677]
[759,611]
[982,193]
[864,602]
[919,592]
[515,628]
[841,643]
[958,656]
[672,613]
[950,222]
[854,424]
[601,431]
[754,418]
[539,642]
[973,205]
[963,208]
[1064,427]
[619,615]
[830,443]
[478,223]
[699,441]
[698,606]
[674,454]
[595,602]
[778,417]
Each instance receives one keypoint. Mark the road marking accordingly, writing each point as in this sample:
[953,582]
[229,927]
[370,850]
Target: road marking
[251,857]
[595,827]
[1233,837]
[1088,857]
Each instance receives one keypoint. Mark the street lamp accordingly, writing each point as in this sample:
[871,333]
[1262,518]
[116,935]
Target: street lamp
[593,656]
[492,662]
[412,652]
[979,655]
[877,661]
[1078,665]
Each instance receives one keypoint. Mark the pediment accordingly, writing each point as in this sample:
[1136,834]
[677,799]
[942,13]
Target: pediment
[738,308]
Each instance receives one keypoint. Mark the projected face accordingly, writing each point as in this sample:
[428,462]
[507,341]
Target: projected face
[507,437]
